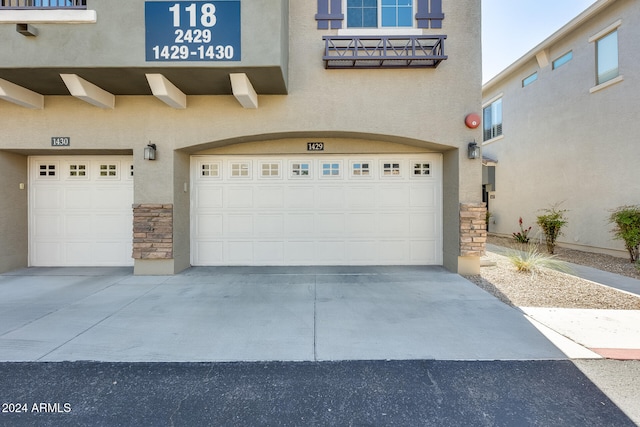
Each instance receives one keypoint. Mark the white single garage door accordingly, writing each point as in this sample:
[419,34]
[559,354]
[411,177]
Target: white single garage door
[317,210]
[80,211]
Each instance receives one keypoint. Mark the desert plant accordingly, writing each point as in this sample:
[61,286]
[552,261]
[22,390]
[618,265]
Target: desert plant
[551,224]
[627,228]
[531,260]
[488,216]
[523,235]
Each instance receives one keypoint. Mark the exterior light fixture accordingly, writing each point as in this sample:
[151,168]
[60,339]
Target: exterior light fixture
[150,152]
[473,151]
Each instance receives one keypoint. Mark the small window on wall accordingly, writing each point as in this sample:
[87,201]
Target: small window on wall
[78,171]
[300,170]
[210,170]
[390,169]
[562,60]
[421,169]
[240,170]
[492,123]
[270,170]
[47,170]
[379,13]
[607,57]
[528,80]
[109,171]
[360,169]
[331,170]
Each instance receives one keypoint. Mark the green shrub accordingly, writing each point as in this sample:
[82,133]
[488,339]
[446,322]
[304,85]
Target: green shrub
[627,228]
[551,224]
[531,260]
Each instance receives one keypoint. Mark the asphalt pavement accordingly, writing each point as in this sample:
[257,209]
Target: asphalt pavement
[345,393]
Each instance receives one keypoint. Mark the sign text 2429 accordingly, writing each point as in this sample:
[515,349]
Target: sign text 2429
[192,31]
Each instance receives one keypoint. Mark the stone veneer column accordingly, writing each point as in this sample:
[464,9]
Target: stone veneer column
[473,229]
[152,231]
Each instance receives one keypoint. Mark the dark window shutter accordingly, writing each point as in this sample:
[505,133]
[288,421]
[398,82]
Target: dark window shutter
[326,16]
[429,14]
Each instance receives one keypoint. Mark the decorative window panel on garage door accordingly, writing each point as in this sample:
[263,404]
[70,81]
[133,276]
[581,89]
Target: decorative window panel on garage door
[317,210]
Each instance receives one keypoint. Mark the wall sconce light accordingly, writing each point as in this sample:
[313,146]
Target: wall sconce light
[473,151]
[150,152]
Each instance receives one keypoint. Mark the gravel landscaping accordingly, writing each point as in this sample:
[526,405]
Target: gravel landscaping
[550,288]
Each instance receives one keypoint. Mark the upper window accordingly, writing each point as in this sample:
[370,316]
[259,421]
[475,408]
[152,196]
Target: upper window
[563,60]
[528,80]
[379,13]
[607,57]
[42,3]
[492,120]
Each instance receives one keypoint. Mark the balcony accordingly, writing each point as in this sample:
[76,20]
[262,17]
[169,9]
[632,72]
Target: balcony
[348,52]
[42,4]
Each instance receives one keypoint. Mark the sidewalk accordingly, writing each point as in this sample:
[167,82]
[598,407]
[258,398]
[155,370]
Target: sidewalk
[613,334]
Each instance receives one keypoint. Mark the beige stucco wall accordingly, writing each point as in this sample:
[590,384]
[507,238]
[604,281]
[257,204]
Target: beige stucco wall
[419,108]
[563,144]
[13,211]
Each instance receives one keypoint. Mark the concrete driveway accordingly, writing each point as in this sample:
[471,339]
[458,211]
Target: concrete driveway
[259,314]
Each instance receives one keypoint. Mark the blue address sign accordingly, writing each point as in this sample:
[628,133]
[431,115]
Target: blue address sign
[192,30]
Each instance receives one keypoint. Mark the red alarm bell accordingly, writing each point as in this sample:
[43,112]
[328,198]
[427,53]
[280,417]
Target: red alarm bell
[472,121]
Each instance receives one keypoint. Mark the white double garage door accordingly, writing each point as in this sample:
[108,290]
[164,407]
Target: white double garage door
[316,210]
[258,210]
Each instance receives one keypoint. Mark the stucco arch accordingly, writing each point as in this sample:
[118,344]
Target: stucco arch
[335,142]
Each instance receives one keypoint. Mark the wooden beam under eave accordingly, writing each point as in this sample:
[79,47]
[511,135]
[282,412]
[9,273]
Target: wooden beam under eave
[243,90]
[543,58]
[166,91]
[21,96]
[88,92]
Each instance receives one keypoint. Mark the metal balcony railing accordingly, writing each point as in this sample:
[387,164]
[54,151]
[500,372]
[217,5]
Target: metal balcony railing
[384,51]
[42,4]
